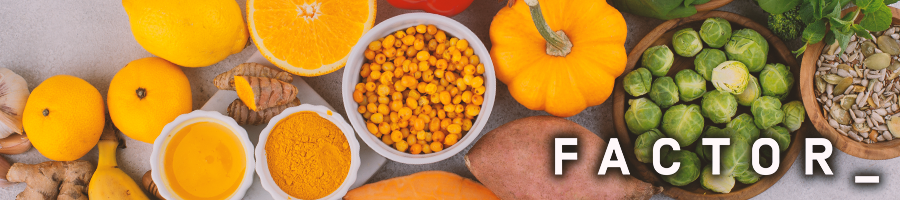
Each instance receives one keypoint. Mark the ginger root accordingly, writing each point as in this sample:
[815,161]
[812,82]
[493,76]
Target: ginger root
[225,80]
[53,179]
[243,115]
[259,93]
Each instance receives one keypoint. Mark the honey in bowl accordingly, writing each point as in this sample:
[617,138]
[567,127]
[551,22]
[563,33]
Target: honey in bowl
[308,156]
[204,160]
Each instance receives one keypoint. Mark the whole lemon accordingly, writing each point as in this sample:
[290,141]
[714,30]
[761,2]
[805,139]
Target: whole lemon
[195,33]
[146,95]
[64,117]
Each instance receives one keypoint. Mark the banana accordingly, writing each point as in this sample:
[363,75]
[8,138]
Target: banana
[110,182]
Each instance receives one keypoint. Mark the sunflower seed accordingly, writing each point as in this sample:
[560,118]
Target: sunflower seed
[888,136]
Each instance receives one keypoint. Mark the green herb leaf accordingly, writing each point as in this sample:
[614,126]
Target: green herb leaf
[689,2]
[778,6]
[876,20]
[815,32]
[800,51]
[835,9]
[843,38]
[867,4]
[808,12]
[860,31]
[829,39]
[889,2]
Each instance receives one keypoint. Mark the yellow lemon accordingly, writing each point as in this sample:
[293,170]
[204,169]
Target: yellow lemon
[195,33]
[146,95]
[64,117]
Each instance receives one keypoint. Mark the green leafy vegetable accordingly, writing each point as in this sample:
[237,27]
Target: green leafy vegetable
[660,9]
[776,7]
[819,14]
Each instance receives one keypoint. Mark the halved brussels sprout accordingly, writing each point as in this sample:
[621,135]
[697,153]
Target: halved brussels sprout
[643,146]
[749,47]
[642,116]
[664,92]
[688,171]
[731,77]
[658,60]
[794,115]
[719,106]
[780,134]
[686,42]
[721,183]
[684,123]
[715,32]
[743,126]
[736,157]
[690,85]
[707,60]
[750,93]
[776,80]
[637,82]
[766,112]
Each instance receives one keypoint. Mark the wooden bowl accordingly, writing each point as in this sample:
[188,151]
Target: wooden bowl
[711,5]
[875,151]
[778,53]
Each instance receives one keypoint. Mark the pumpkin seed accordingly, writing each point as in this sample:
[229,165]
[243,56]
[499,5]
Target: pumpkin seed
[860,127]
[832,78]
[841,86]
[867,48]
[878,61]
[894,126]
[888,45]
[840,115]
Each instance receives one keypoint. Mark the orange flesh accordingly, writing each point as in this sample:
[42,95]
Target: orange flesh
[204,160]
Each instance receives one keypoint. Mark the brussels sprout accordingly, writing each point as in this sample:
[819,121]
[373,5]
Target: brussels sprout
[688,171]
[749,47]
[750,93]
[642,116]
[719,106]
[766,112]
[658,60]
[664,92]
[731,77]
[748,177]
[686,42]
[743,126]
[637,82]
[707,60]
[684,123]
[717,183]
[715,32]
[780,134]
[776,80]
[794,115]
[736,158]
[690,85]
[705,152]
[643,146]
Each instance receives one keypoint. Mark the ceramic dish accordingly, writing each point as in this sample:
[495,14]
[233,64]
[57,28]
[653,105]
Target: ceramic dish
[159,149]
[662,34]
[262,166]
[401,22]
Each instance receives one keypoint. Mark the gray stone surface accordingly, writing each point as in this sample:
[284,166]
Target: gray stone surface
[93,40]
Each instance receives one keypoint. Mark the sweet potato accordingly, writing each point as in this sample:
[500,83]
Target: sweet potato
[515,161]
[422,185]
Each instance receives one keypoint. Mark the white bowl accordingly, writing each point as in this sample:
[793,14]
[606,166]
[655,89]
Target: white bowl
[401,22]
[159,148]
[262,166]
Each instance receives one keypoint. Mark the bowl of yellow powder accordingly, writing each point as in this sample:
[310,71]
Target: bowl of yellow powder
[307,152]
[203,155]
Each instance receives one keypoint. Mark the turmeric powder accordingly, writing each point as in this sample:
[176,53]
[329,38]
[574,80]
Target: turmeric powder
[308,156]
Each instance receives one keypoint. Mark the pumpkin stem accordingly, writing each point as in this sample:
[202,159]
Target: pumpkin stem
[558,43]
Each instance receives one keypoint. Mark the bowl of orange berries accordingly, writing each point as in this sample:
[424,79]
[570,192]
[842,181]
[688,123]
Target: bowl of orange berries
[418,88]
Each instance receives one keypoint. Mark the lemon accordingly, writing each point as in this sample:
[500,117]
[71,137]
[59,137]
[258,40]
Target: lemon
[194,33]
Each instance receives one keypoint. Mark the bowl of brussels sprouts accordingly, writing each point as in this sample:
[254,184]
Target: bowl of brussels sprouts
[711,75]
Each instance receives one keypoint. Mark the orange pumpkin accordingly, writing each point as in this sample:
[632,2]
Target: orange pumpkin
[565,71]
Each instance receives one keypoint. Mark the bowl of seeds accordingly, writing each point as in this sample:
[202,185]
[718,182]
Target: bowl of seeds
[852,96]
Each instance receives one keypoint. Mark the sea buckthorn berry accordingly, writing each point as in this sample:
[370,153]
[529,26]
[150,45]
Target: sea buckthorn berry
[451,139]
[375,45]
[395,118]
[399,34]
[453,42]
[438,136]
[466,125]
[432,45]
[472,110]
[384,127]
[440,36]
[372,127]
[390,52]
[469,52]
[467,96]
[415,149]
[422,55]
[361,109]
[408,40]
[479,90]
[440,49]
[387,140]
[437,146]
[388,41]
[401,146]
[479,69]
[369,54]
[397,136]
[477,100]
[477,82]
[459,109]
[383,99]
[474,60]
[431,29]
[411,30]
[421,28]
[426,148]
[380,58]
[462,44]
[377,118]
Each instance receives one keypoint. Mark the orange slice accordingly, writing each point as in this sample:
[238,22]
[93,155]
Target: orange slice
[308,37]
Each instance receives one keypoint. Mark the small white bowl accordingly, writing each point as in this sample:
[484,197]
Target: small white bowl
[262,165]
[159,148]
[401,22]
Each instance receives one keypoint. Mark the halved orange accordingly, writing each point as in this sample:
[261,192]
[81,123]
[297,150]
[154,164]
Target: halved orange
[308,37]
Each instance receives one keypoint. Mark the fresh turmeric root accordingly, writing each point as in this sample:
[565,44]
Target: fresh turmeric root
[259,93]
[243,115]
[225,80]
[53,179]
